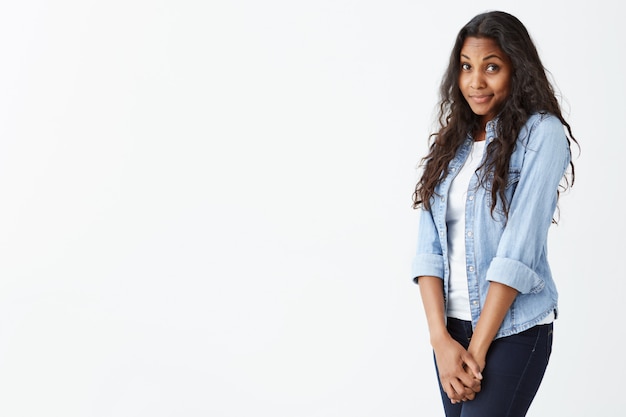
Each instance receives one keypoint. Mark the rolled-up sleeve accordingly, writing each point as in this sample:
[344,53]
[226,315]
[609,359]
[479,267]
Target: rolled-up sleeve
[428,259]
[515,274]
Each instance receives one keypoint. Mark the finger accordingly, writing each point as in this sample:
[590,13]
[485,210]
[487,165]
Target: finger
[469,394]
[459,390]
[468,380]
[472,365]
[452,394]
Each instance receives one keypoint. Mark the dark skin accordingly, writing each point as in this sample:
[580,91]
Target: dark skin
[459,372]
[460,369]
[484,79]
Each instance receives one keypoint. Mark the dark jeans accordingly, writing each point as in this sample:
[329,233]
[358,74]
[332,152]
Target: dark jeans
[514,368]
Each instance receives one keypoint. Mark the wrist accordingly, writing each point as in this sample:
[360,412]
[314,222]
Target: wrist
[478,351]
[439,336]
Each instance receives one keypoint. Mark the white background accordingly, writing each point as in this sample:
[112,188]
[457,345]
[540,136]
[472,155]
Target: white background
[205,206]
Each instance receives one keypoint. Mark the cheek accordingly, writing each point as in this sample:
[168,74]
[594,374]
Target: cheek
[501,91]
[506,86]
[462,84]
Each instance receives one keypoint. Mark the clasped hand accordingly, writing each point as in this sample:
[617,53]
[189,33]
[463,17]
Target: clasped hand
[459,371]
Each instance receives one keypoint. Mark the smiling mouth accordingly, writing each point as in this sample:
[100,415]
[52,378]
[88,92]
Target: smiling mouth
[481,99]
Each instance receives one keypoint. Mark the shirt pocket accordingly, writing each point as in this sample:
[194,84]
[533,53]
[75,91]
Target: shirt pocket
[512,180]
[511,184]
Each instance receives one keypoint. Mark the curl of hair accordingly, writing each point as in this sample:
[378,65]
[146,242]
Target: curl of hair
[530,92]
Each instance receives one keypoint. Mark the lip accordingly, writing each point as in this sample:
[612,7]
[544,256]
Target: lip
[481,99]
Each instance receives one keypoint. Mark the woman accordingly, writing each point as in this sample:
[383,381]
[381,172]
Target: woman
[488,194]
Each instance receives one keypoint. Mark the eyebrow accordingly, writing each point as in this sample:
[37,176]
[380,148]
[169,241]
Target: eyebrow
[485,58]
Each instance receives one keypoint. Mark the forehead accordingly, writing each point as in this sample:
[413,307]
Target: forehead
[481,47]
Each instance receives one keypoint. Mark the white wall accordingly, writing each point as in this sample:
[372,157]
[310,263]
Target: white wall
[205,206]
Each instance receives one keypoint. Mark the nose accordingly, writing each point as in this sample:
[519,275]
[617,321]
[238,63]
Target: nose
[477,81]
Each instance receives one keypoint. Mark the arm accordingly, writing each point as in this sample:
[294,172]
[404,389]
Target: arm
[459,373]
[532,206]
[453,361]
[530,214]
[498,301]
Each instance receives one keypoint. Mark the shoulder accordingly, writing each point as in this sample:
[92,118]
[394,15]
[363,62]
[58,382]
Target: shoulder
[543,136]
[543,122]
[542,127]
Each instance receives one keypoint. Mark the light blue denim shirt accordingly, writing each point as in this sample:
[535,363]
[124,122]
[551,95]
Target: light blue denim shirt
[514,251]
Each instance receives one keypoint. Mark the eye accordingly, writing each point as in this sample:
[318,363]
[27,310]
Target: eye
[465,66]
[492,68]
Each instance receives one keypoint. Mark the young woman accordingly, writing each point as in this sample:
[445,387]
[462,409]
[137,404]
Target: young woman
[488,195]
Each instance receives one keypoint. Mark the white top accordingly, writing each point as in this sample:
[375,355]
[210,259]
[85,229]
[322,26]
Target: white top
[458,297]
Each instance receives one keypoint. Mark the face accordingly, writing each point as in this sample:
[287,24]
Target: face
[485,76]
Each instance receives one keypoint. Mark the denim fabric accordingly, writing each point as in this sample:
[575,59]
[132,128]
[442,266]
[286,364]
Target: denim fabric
[511,251]
[515,366]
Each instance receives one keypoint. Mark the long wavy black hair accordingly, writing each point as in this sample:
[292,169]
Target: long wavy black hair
[530,92]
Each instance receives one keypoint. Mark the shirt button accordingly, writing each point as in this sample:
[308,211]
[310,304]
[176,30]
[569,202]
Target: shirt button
[470,234]
[475,302]
[470,198]
[471,268]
